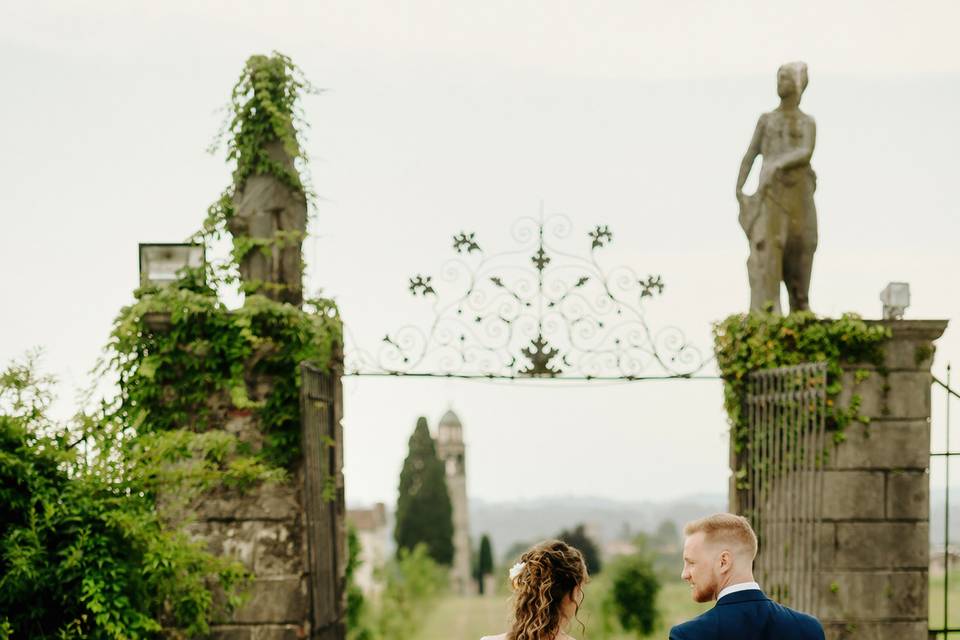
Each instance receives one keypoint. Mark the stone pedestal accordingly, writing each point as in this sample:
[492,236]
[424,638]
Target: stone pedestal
[875,535]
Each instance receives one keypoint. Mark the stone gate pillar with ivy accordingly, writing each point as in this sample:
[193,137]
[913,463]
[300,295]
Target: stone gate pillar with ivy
[830,451]
[875,536]
[272,377]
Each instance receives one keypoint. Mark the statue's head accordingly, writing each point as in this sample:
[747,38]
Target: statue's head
[792,79]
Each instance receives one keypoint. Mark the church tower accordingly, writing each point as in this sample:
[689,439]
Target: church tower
[451,450]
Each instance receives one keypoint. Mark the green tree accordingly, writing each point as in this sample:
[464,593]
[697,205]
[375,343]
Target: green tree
[484,561]
[424,512]
[633,594]
[577,537]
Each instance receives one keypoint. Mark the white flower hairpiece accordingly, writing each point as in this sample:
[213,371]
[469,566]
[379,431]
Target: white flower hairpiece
[516,569]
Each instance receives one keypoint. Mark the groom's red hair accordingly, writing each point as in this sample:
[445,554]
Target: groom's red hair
[725,528]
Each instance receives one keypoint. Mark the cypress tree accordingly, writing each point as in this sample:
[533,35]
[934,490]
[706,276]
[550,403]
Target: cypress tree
[484,561]
[424,512]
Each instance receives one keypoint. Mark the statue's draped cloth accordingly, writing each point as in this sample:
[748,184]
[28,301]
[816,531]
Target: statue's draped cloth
[781,226]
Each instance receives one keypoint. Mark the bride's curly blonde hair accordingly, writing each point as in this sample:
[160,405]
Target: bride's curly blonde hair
[551,571]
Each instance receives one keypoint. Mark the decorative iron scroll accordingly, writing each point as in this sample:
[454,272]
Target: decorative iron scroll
[535,311]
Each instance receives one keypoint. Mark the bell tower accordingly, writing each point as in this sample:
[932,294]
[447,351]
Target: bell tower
[452,451]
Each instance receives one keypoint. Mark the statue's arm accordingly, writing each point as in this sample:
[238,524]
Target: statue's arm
[752,152]
[801,155]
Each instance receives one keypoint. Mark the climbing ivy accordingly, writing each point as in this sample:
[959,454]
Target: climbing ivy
[745,343]
[264,108]
[206,359]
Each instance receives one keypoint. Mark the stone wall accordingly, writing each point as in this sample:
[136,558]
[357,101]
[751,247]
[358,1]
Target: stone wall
[264,529]
[874,541]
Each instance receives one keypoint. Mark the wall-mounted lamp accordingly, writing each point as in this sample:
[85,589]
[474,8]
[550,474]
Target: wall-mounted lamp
[160,263]
[896,299]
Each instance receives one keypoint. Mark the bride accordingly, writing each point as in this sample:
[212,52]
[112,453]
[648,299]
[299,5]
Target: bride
[547,592]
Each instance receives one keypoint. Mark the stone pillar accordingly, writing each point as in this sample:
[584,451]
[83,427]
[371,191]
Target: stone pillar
[290,535]
[264,529]
[875,535]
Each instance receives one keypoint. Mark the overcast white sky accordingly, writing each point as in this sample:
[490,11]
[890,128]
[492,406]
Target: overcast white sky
[442,116]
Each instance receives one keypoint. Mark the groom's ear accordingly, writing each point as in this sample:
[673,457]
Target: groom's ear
[726,560]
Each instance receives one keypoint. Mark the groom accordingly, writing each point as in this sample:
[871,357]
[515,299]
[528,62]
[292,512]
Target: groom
[718,555]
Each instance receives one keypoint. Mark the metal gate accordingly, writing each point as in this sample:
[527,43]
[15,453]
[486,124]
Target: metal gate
[942,626]
[781,487]
[320,409]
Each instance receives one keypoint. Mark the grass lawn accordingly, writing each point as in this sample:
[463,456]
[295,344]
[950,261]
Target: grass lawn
[456,618]
[465,617]
[459,618]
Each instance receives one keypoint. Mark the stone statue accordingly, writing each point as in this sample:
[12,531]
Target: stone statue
[273,217]
[780,218]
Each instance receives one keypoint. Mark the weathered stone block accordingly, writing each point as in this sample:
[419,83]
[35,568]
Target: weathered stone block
[882,545]
[280,632]
[826,543]
[869,389]
[853,495]
[899,394]
[246,427]
[873,596]
[916,630]
[883,445]
[908,495]
[278,549]
[277,600]
[231,632]
[269,501]
[909,394]
[226,538]
[915,355]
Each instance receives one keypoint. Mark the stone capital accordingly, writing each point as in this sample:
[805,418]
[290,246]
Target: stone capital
[913,329]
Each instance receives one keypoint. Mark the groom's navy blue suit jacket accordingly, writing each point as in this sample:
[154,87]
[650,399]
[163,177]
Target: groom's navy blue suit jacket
[749,615]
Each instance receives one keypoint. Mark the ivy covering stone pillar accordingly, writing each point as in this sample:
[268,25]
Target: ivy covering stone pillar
[872,543]
[252,394]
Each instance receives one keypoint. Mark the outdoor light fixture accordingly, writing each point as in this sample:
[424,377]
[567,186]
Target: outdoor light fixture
[160,263]
[896,299]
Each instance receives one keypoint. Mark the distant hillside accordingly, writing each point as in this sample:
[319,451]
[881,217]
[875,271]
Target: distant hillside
[510,523]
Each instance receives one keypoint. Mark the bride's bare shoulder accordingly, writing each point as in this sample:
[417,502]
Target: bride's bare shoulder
[502,636]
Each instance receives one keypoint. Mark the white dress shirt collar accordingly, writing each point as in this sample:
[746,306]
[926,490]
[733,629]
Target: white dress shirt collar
[734,588]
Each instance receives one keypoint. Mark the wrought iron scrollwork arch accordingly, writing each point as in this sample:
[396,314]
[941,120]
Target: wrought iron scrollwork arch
[534,311]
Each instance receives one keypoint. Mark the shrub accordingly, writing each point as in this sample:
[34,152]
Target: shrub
[83,551]
[633,594]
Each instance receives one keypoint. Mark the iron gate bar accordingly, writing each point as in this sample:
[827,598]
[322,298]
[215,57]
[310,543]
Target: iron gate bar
[946,520]
[322,439]
[781,491]
[947,453]
[946,385]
